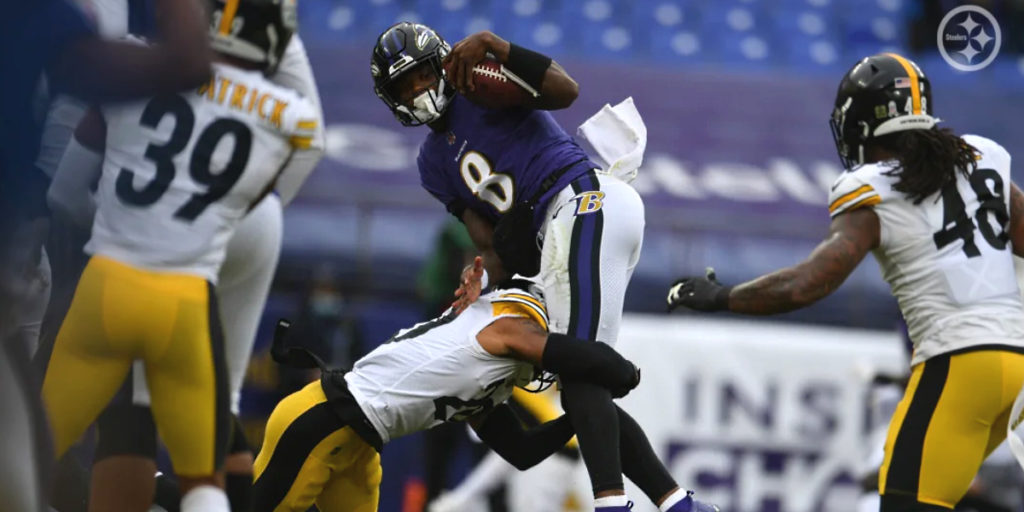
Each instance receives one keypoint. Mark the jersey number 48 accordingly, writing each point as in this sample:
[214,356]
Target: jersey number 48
[957,225]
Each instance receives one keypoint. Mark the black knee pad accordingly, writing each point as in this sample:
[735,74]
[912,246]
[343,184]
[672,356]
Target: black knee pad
[126,429]
[904,503]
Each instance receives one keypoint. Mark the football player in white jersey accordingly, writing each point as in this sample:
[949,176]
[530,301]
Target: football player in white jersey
[322,442]
[179,173]
[943,219]
[126,449]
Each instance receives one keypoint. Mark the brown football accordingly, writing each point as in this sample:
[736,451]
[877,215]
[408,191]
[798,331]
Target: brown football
[493,89]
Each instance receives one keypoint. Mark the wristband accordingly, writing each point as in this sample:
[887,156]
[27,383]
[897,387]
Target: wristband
[528,65]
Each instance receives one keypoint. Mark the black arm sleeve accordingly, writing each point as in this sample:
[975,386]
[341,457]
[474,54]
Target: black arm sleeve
[590,361]
[504,433]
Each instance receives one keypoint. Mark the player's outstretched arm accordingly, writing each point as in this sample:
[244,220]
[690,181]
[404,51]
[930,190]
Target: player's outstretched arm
[591,361]
[1017,220]
[557,89]
[503,431]
[96,69]
[851,236]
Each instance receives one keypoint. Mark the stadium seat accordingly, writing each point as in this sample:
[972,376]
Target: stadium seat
[450,18]
[331,21]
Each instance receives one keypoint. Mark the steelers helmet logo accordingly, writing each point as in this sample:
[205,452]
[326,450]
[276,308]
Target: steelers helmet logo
[969,38]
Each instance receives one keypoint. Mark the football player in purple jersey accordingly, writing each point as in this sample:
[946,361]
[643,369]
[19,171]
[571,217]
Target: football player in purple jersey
[534,205]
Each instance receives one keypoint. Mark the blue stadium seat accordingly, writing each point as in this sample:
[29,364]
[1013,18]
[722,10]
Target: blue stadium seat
[516,16]
[657,23]
[543,33]
[816,55]
[679,46]
[331,21]
[448,17]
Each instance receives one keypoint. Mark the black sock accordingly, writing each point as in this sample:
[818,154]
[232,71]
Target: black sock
[168,495]
[596,421]
[639,462]
[239,490]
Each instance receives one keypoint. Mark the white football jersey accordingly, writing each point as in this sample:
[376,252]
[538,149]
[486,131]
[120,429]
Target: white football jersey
[181,170]
[948,260]
[436,371]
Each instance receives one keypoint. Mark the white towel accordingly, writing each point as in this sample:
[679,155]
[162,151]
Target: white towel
[616,137]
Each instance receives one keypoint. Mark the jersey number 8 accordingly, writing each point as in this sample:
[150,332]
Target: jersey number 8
[162,156]
[492,187]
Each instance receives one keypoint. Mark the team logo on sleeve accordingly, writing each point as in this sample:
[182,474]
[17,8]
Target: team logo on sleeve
[589,202]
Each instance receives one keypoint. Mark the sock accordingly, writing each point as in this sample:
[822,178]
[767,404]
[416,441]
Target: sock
[639,462]
[596,422]
[205,498]
[239,490]
[167,494]
[611,501]
[677,497]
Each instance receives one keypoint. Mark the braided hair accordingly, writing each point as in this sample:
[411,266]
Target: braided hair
[928,160]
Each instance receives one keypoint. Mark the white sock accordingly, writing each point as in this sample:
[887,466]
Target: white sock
[205,498]
[672,499]
[608,501]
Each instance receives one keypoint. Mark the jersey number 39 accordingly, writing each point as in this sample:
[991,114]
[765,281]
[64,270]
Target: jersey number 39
[162,156]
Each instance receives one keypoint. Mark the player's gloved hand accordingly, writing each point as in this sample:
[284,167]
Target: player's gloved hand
[468,53]
[470,285]
[699,293]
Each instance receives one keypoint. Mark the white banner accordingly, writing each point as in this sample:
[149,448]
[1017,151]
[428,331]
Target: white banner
[757,416]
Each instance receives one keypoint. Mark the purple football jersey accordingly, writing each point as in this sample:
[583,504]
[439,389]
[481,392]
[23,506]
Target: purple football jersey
[488,160]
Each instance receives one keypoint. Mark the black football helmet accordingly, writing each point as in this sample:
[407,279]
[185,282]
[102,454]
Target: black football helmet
[256,31]
[881,94]
[404,46]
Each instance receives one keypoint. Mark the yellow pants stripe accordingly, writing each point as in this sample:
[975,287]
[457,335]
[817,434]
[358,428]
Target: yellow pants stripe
[953,414]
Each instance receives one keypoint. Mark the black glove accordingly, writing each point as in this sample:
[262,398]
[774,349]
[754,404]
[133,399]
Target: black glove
[699,293]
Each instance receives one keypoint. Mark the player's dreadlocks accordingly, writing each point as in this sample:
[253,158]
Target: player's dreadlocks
[928,159]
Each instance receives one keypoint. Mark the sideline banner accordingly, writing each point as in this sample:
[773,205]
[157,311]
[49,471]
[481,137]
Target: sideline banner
[758,416]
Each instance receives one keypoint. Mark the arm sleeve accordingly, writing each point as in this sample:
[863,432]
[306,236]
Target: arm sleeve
[504,433]
[590,361]
[70,191]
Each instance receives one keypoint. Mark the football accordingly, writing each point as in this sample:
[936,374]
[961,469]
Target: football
[493,88]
